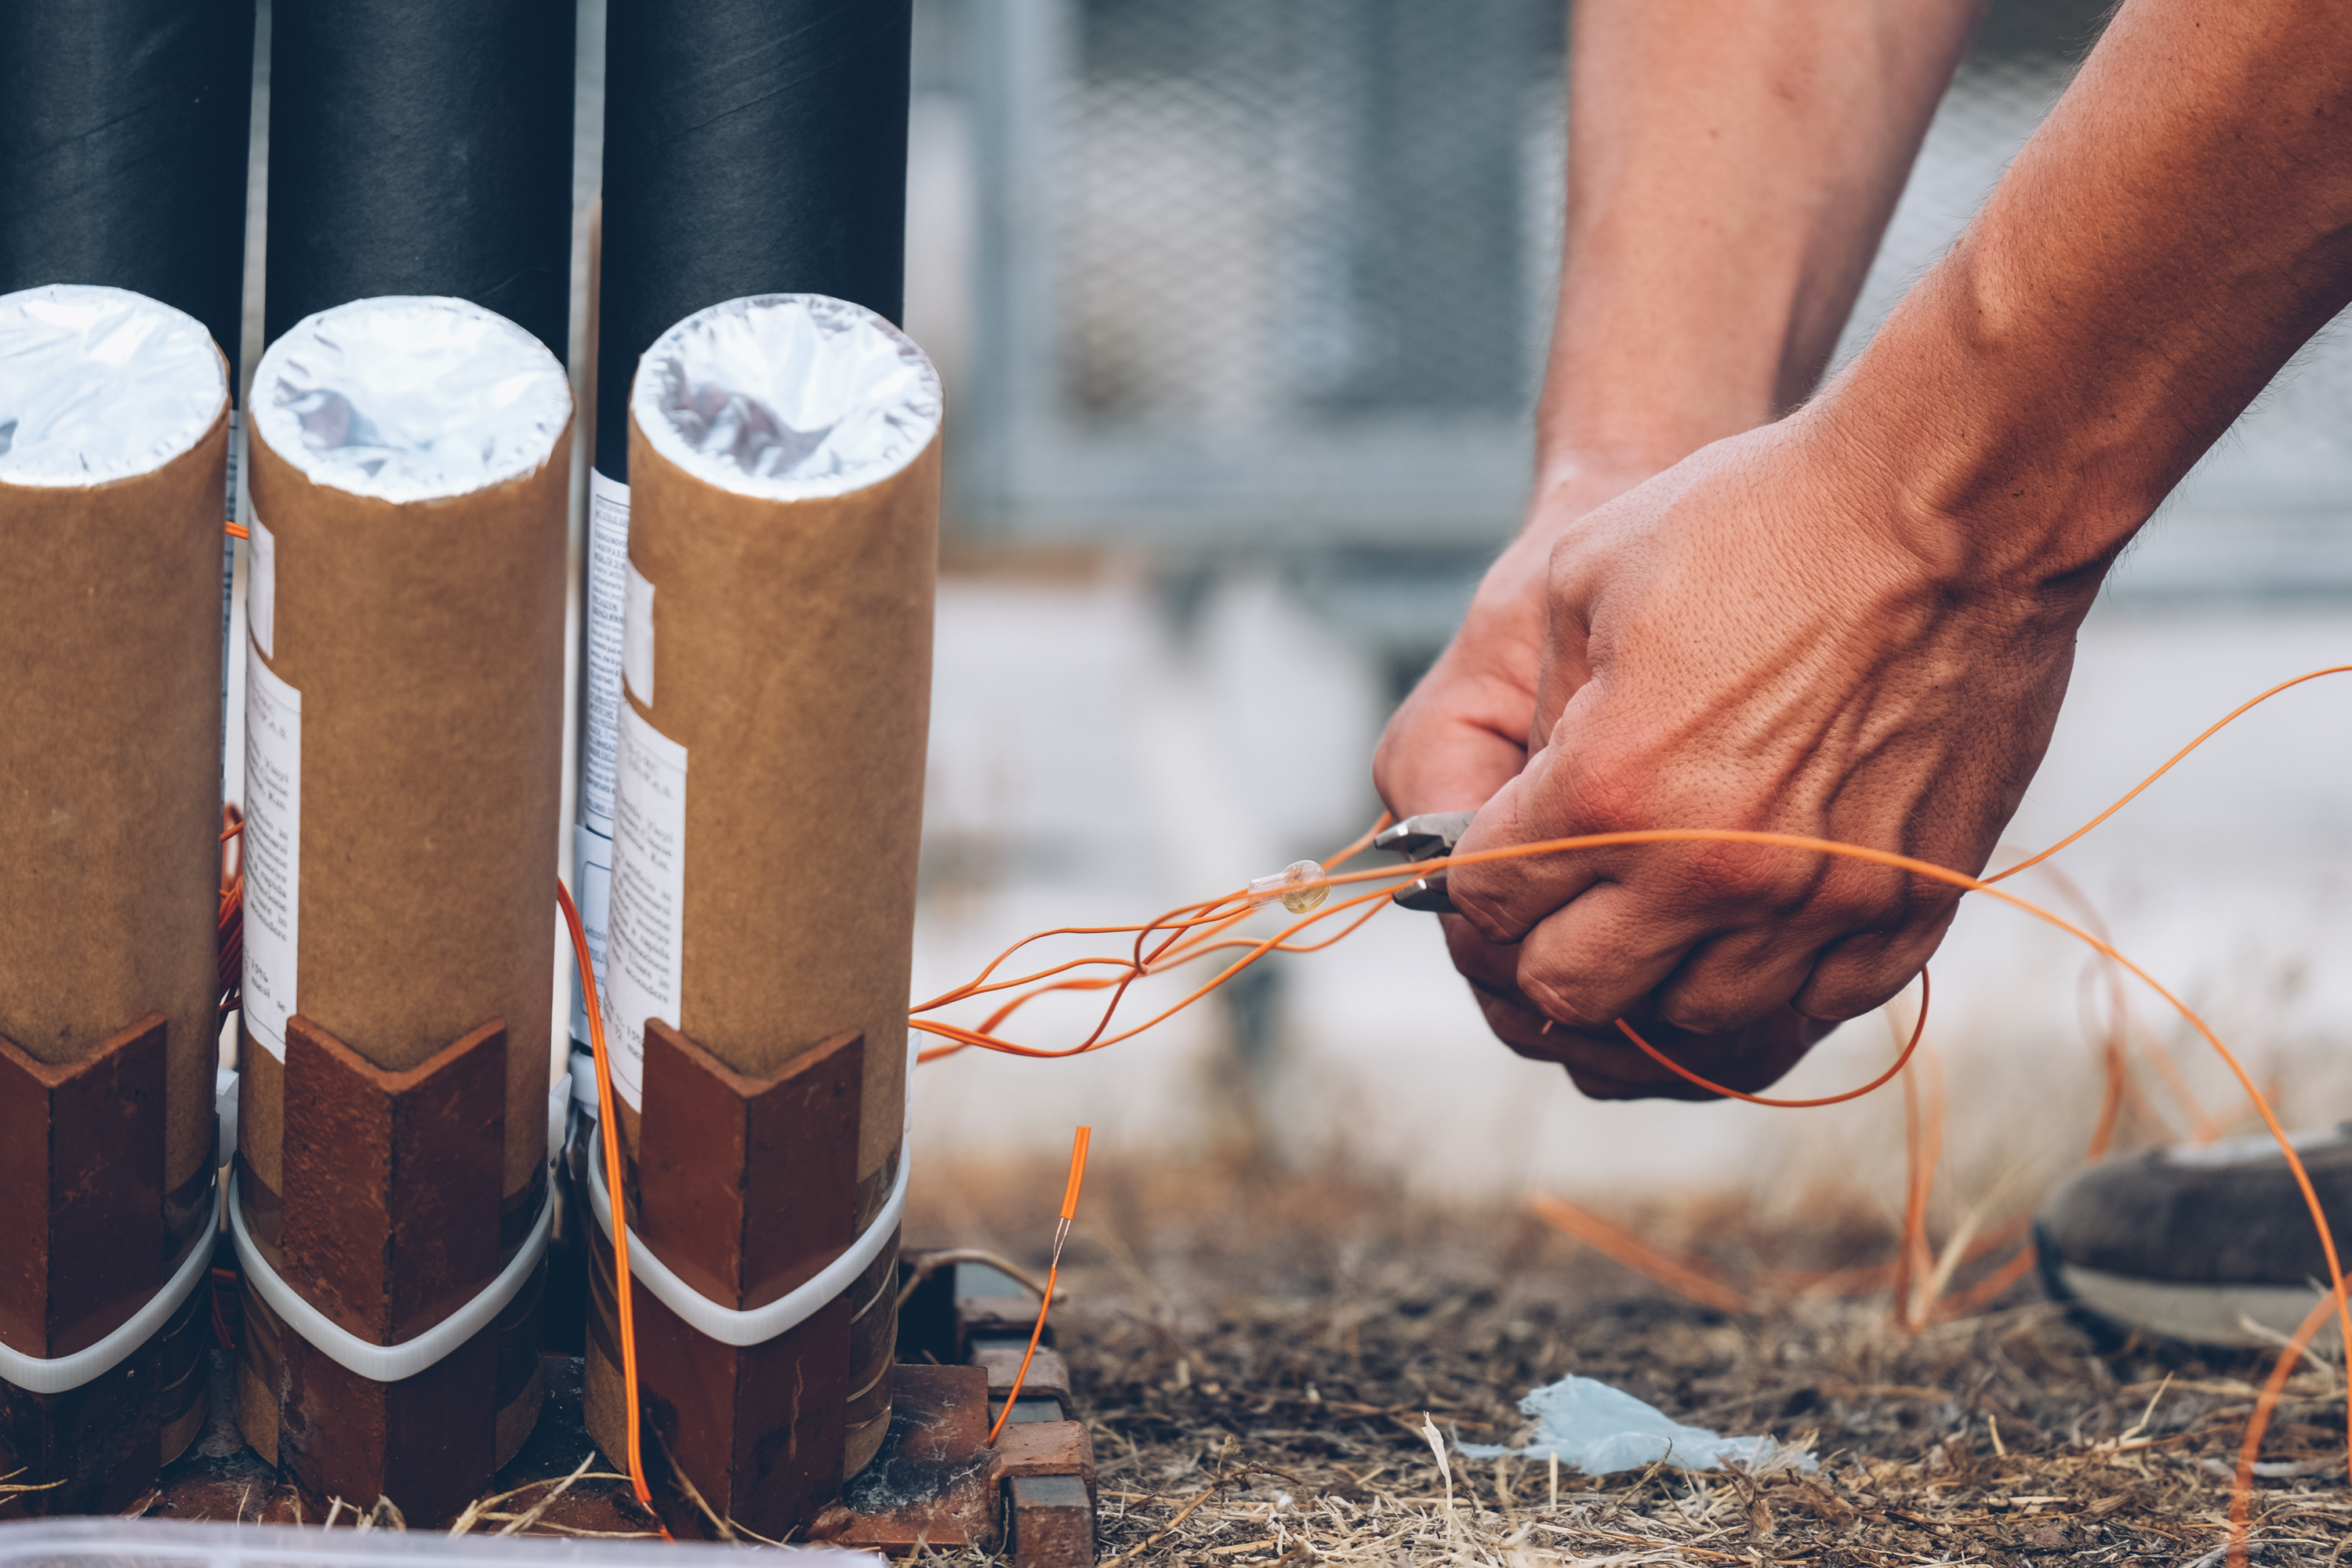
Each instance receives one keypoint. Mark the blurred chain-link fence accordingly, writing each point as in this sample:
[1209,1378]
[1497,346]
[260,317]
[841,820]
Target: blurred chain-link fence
[1279,274]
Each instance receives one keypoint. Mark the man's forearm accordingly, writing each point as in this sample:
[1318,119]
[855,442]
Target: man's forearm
[2178,228]
[1732,165]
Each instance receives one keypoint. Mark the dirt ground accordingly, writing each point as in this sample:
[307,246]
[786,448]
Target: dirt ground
[1257,1351]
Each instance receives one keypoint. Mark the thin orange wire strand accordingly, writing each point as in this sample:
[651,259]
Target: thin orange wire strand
[1903,1061]
[2121,1029]
[2241,1493]
[1180,948]
[621,1280]
[1906,1264]
[1052,1271]
[2214,729]
[1967,883]
[1688,1277]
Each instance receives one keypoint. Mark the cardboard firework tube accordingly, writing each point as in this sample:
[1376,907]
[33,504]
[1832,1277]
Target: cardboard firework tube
[117,408]
[422,147]
[777,681]
[812,95]
[123,128]
[404,668]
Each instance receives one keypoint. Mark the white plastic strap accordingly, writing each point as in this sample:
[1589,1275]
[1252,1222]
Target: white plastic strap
[760,1325]
[387,1363]
[63,1375]
[390,1363]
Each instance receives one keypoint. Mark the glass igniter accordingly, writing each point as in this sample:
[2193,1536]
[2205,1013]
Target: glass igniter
[1298,885]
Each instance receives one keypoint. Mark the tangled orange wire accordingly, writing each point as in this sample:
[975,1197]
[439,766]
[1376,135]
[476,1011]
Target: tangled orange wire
[1193,930]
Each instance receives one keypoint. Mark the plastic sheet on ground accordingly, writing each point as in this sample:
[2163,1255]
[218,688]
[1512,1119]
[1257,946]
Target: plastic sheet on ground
[1602,1430]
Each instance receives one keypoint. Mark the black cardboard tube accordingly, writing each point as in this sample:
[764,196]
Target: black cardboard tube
[123,129]
[751,147]
[422,147]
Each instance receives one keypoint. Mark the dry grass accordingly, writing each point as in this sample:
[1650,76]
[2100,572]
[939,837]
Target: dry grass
[1256,1352]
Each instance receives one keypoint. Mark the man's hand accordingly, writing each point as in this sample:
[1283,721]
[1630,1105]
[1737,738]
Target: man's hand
[1463,732]
[1857,624]
[1730,169]
[1750,641]
[1463,735]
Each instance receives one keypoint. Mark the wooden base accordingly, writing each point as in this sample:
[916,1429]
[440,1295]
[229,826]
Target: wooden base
[91,1236]
[934,1483]
[747,1188]
[390,1221]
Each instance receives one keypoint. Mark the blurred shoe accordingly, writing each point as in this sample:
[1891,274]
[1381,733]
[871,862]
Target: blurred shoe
[2195,1243]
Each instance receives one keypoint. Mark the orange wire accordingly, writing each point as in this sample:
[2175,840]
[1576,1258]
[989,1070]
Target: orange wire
[612,1128]
[1216,913]
[1918,1032]
[1926,1152]
[235,531]
[1962,1302]
[1097,1040]
[2241,1495]
[1052,1271]
[1687,1275]
[2209,733]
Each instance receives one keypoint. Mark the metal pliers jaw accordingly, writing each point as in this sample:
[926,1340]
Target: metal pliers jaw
[1425,837]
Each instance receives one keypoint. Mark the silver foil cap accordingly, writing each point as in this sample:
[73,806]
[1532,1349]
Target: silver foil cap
[787,396]
[98,385]
[410,399]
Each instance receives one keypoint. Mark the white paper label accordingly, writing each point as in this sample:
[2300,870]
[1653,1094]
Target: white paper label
[235,452]
[647,940]
[261,588]
[273,850]
[600,673]
[638,636]
[228,584]
[592,892]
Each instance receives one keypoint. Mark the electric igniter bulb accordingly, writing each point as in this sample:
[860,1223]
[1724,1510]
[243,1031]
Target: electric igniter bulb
[1299,885]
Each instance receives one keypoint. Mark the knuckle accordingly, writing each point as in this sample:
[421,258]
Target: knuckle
[1749,877]
[1488,910]
[1568,1008]
[1708,1013]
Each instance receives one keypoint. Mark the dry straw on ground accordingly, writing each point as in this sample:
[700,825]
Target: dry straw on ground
[1256,1353]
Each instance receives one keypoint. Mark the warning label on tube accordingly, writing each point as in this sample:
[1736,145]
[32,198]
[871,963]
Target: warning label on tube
[600,673]
[273,851]
[645,940]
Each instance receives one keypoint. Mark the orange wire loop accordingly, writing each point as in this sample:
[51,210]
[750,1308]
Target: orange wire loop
[1882,1080]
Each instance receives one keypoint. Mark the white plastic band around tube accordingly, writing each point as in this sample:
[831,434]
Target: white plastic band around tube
[63,1375]
[387,1363]
[760,1325]
[390,1363]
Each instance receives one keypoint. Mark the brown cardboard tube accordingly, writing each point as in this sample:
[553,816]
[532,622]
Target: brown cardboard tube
[789,658]
[115,415]
[424,639]
[110,753]
[410,465]
[776,666]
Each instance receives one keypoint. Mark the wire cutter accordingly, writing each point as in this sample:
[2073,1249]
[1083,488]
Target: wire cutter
[1425,837]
